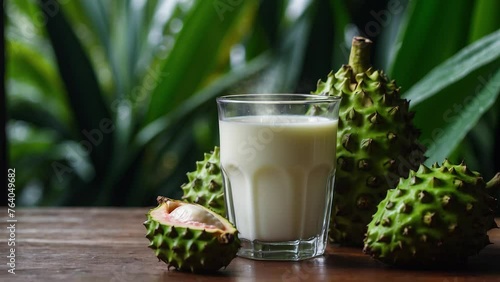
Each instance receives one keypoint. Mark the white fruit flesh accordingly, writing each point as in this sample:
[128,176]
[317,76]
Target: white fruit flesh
[195,215]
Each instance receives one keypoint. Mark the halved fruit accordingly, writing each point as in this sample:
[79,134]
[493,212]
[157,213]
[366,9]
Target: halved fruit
[190,237]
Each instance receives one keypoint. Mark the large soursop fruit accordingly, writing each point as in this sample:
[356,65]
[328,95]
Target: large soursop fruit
[377,142]
[439,216]
[189,237]
[205,184]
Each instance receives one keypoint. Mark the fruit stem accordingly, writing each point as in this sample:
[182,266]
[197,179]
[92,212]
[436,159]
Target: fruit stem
[494,184]
[161,200]
[359,59]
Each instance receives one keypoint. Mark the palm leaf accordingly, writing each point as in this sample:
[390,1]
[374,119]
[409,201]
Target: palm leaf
[178,119]
[193,57]
[485,19]
[85,97]
[432,32]
[455,131]
[460,65]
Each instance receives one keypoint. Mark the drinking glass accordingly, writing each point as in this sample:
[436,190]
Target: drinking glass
[278,162]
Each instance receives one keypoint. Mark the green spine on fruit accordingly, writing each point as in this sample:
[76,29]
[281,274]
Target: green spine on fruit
[205,184]
[437,216]
[195,239]
[376,145]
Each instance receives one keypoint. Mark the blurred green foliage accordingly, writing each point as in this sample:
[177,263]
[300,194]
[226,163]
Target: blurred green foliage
[111,102]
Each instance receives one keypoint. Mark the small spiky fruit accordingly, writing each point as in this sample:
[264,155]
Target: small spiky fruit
[439,216]
[189,237]
[205,184]
[376,145]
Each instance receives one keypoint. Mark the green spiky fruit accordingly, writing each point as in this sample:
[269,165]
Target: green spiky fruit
[189,237]
[438,216]
[205,184]
[377,142]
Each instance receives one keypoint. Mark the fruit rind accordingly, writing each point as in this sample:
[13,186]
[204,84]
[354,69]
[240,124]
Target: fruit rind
[190,248]
[205,183]
[377,142]
[438,216]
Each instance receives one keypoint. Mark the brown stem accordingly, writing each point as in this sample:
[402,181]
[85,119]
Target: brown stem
[359,59]
[161,200]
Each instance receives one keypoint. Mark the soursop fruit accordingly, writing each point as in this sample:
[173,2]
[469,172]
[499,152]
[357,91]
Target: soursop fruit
[439,216]
[205,184]
[377,142]
[189,237]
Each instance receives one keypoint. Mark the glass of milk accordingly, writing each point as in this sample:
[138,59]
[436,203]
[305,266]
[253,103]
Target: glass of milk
[278,162]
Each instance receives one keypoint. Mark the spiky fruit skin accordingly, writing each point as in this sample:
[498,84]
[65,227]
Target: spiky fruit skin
[205,184]
[377,144]
[437,217]
[191,249]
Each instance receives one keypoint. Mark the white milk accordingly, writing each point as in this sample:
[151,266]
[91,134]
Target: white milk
[278,167]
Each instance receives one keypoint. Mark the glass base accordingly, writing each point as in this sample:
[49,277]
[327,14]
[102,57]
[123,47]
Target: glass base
[284,251]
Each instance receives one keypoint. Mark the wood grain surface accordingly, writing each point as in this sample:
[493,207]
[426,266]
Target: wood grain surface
[108,244]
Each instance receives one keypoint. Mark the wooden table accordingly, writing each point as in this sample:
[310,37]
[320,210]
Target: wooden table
[108,244]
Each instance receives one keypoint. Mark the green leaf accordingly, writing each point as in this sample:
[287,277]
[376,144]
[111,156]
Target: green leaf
[456,130]
[463,63]
[181,116]
[341,19]
[485,19]
[46,87]
[32,113]
[195,53]
[433,31]
[205,95]
[98,17]
[327,21]
[27,141]
[391,19]
[289,57]
[83,91]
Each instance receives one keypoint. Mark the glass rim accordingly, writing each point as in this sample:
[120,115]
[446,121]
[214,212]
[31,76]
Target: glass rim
[277,98]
